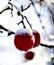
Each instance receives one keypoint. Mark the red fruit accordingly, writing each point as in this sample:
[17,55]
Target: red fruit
[37,38]
[29,55]
[23,41]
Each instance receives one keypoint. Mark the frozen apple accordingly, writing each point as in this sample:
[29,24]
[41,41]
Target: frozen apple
[23,40]
[29,55]
[37,38]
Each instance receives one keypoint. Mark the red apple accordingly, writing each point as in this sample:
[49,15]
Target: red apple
[23,40]
[29,55]
[37,39]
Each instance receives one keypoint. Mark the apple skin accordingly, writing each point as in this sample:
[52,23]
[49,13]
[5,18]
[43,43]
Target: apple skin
[37,39]
[23,41]
[29,55]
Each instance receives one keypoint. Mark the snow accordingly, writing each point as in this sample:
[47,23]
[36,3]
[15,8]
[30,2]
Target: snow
[22,31]
[9,55]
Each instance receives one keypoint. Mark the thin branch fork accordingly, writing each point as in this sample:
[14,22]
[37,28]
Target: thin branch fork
[23,21]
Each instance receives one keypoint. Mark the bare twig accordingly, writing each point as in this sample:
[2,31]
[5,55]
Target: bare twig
[9,32]
[23,21]
[48,46]
[22,9]
[8,8]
